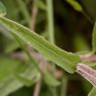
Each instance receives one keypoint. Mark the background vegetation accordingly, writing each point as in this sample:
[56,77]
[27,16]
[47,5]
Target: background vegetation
[67,24]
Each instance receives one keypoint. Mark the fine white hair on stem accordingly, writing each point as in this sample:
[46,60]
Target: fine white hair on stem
[87,72]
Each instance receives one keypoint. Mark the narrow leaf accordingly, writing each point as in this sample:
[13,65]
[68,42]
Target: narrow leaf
[75,5]
[62,58]
[2,9]
[47,76]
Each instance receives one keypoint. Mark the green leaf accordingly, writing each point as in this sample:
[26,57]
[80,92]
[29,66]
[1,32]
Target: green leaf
[40,5]
[15,75]
[2,9]
[10,47]
[9,86]
[26,79]
[10,5]
[65,60]
[8,83]
[50,80]
[75,5]
[92,92]
[7,67]
[94,38]
[29,76]
[47,75]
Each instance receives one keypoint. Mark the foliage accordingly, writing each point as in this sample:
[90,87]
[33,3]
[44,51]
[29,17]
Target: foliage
[29,59]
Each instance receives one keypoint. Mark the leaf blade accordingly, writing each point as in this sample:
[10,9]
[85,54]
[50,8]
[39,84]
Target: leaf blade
[51,52]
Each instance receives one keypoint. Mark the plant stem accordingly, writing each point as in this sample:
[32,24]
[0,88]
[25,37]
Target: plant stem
[34,15]
[37,88]
[51,35]
[38,85]
[50,20]
[64,86]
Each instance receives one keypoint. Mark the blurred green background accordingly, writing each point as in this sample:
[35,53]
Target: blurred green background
[72,23]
